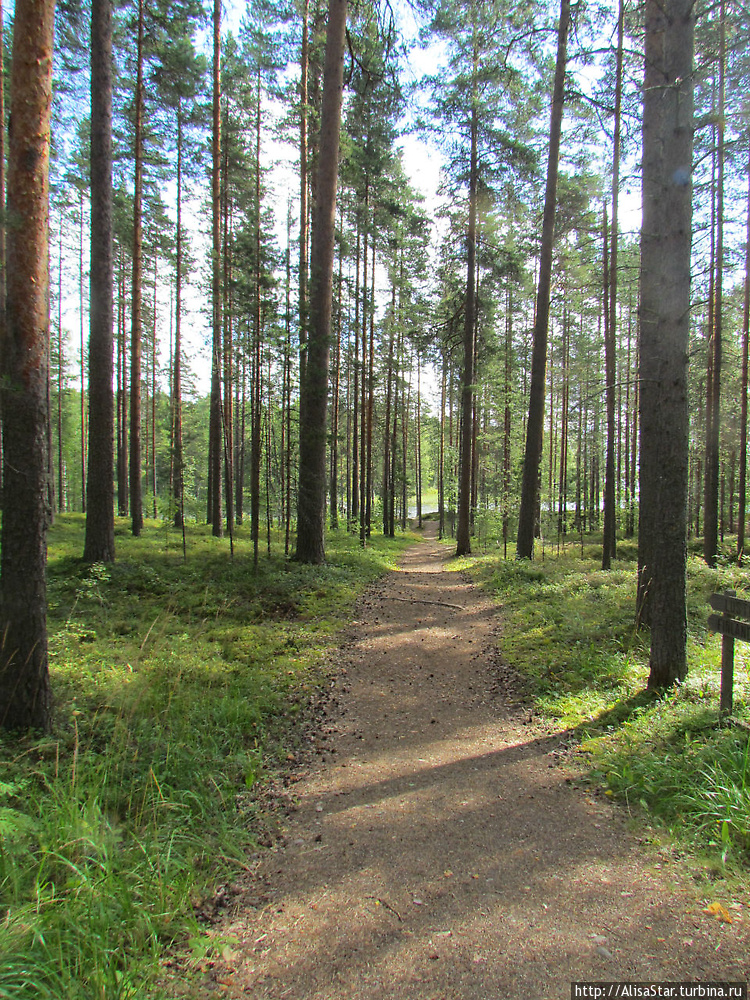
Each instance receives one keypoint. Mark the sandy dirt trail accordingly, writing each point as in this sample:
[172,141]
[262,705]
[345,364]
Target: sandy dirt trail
[440,850]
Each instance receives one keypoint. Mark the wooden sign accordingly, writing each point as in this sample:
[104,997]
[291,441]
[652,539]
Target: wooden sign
[730,605]
[730,627]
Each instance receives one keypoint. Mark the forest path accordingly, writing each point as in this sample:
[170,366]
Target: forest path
[440,851]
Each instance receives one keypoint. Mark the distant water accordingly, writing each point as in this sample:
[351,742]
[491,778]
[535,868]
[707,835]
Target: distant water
[427,508]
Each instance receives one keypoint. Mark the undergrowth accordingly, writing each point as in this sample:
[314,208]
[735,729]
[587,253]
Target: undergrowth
[177,685]
[568,629]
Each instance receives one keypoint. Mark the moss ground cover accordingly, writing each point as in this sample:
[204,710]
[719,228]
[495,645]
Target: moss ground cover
[568,628]
[177,685]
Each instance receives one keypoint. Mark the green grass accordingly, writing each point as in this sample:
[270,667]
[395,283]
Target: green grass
[178,688]
[568,629]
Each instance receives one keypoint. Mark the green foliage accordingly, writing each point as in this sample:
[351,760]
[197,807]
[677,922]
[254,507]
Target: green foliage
[177,683]
[568,629]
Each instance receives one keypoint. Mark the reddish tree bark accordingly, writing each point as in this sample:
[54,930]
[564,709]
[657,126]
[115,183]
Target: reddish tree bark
[314,397]
[24,672]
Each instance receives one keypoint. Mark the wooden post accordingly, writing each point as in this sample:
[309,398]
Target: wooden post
[727,667]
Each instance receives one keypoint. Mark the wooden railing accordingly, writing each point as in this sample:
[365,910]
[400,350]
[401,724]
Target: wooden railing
[730,626]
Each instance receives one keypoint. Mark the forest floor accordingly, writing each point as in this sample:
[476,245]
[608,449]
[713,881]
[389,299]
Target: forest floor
[443,846]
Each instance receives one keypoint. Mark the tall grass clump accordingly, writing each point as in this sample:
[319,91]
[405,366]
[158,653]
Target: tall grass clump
[177,685]
[567,629]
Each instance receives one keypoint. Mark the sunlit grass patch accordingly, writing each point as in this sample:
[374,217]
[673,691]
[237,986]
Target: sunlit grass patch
[177,685]
[568,627]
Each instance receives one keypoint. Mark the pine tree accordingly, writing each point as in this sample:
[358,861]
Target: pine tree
[665,312]
[100,534]
[24,671]
[532,455]
[314,398]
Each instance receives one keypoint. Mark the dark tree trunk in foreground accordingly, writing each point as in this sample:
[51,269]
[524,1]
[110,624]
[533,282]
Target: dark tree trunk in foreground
[664,327]
[100,517]
[535,424]
[24,673]
[314,398]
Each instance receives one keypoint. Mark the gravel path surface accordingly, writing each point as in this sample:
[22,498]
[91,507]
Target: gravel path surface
[441,851]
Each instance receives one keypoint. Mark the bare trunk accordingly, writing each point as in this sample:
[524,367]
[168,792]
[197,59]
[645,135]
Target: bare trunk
[24,671]
[334,489]
[215,412]
[608,546]
[534,425]
[178,477]
[741,512]
[713,414]
[227,417]
[303,182]
[82,351]
[314,396]
[665,313]
[507,416]
[463,533]
[136,337]
[99,544]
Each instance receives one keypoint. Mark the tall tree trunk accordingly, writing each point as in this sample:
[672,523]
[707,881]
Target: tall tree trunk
[256,417]
[178,480]
[634,432]
[227,415]
[152,427]
[609,547]
[122,397]
[609,533]
[215,412]
[405,408]
[441,456]
[314,396]
[389,384]
[741,510]
[354,478]
[82,351]
[2,201]
[286,407]
[418,445]
[629,419]
[256,444]
[463,532]
[507,415]
[370,399]
[562,510]
[60,353]
[334,489]
[665,315]
[362,485]
[713,414]
[136,334]
[99,544]
[534,425]
[303,185]
[24,670]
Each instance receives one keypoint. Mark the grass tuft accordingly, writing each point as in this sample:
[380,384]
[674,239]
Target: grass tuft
[177,687]
[568,628]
